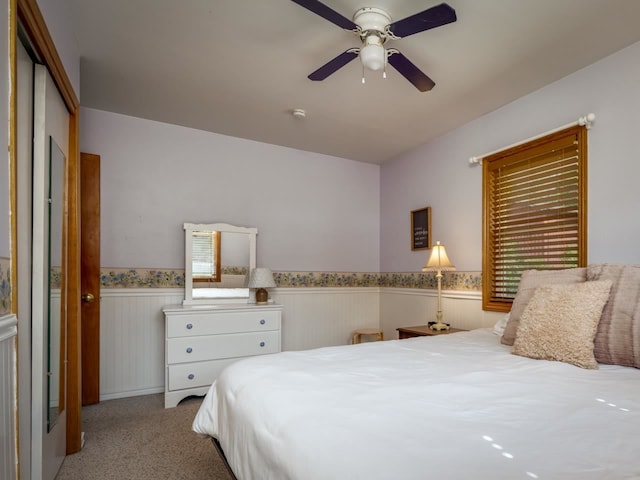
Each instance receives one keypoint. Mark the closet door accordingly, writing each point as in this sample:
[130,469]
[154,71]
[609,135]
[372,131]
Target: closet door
[48,307]
[24,220]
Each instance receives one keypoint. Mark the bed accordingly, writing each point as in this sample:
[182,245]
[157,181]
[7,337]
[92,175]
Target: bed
[447,407]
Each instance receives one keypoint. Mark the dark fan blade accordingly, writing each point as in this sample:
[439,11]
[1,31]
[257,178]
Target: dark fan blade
[411,72]
[430,18]
[333,65]
[325,12]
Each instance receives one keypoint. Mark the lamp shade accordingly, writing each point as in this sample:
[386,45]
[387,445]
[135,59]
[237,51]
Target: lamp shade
[261,278]
[438,261]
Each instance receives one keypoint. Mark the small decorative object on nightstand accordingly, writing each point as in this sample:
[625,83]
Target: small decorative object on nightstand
[439,262]
[423,331]
[261,278]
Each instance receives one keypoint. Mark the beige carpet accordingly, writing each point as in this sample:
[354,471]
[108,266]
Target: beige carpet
[137,438]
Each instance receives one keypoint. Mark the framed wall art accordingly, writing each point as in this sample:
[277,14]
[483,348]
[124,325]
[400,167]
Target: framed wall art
[421,229]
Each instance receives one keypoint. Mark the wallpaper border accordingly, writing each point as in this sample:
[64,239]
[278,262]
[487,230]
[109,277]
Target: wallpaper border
[5,285]
[174,278]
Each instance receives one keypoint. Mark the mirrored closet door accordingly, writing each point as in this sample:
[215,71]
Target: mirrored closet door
[48,305]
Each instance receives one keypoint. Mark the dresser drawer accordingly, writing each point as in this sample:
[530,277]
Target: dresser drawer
[212,323]
[211,347]
[199,374]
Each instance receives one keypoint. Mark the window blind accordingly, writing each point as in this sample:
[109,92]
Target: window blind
[533,209]
[205,256]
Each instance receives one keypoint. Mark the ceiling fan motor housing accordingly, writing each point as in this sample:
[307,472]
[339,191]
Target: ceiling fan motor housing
[371,18]
[372,23]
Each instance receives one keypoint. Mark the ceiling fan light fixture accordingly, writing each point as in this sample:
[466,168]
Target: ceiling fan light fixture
[373,55]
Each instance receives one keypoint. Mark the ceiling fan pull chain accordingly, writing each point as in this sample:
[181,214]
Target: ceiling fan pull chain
[363,82]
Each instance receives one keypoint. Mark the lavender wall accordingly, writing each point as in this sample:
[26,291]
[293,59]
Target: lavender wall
[61,31]
[313,212]
[327,213]
[438,173]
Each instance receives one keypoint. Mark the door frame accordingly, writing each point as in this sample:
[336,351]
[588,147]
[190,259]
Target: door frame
[30,17]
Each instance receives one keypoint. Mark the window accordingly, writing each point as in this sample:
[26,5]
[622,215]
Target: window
[534,212]
[206,256]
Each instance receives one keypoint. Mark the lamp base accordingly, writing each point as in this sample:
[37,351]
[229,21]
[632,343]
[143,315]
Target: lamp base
[439,326]
[262,296]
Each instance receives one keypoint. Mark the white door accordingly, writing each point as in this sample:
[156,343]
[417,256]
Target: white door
[50,151]
[24,220]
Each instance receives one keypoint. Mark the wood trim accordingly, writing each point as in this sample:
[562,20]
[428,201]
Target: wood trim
[583,140]
[74,364]
[31,19]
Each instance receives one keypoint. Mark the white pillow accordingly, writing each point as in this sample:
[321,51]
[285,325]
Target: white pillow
[500,325]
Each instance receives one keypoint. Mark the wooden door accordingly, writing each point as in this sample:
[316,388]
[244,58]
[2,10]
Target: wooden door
[90,275]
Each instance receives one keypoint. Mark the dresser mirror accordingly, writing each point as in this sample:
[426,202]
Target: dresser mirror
[218,260]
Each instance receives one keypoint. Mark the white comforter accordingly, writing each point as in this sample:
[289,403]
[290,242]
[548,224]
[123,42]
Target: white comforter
[456,406]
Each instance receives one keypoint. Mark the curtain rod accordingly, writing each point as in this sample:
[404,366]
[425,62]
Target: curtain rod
[585,121]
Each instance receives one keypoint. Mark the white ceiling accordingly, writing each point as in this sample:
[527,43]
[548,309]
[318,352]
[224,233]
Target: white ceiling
[239,67]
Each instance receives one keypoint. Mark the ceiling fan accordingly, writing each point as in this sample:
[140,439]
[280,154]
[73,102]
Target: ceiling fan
[374,27]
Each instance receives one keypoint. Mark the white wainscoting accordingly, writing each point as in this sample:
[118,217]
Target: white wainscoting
[132,325]
[320,317]
[132,329]
[132,340]
[404,307]
[8,460]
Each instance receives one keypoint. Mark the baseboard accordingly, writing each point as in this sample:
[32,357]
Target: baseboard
[131,393]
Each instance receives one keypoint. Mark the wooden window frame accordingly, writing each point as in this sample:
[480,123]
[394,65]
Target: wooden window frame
[492,298]
[216,276]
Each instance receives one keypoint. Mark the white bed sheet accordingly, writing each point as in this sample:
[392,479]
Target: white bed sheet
[450,407]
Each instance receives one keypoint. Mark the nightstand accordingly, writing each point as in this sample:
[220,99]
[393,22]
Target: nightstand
[423,331]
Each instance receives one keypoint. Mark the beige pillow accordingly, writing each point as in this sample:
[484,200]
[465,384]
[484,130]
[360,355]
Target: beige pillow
[529,281]
[617,340]
[560,323]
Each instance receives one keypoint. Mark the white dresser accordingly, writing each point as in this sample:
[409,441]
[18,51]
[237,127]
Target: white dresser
[200,340]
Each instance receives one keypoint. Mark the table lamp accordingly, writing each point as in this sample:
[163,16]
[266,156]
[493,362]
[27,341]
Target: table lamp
[439,262]
[261,278]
